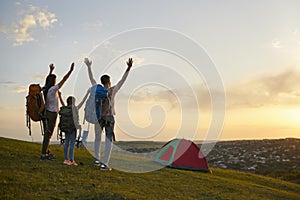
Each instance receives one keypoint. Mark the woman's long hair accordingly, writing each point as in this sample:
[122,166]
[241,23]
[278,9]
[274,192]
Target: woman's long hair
[50,81]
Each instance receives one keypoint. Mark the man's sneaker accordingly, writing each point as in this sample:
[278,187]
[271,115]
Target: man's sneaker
[104,167]
[67,162]
[97,163]
[73,163]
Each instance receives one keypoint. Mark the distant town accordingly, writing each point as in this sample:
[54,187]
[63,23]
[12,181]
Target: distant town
[278,158]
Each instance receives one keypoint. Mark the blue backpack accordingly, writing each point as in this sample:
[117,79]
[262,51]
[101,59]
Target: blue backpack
[94,103]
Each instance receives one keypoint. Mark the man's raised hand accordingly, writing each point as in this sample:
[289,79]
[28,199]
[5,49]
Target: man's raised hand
[87,62]
[129,63]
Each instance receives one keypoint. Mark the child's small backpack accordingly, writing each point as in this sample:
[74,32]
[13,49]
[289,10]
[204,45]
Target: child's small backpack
[35,105]
[94,104]
[69,121]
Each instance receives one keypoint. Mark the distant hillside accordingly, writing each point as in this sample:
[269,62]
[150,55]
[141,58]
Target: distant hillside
[24,176]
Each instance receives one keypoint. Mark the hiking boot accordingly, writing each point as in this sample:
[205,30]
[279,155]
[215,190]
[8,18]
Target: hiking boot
[73,163]
[105,167]
[67,162]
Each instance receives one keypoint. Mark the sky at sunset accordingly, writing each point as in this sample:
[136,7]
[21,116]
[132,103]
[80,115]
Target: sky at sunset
[191,58]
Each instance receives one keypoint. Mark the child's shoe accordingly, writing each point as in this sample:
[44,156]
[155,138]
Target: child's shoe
[67,162]
[73,163]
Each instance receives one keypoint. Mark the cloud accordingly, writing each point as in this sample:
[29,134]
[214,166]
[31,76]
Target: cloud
[10,108]
[32,8]
[45,19]
[148,95]
[106,44]
[23,30]
[30,21]
[276,43]
[94,26]
[7,82]
[3,28]
[13,87]
[279,89]
[136,60]
[282,89]
[197,97]
[295,31]
[110,48]
[39,77]
[19,89]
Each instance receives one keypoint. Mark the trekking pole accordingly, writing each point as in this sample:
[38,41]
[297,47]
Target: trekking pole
[28,124]
[42,129]
[57,135]
[79,136]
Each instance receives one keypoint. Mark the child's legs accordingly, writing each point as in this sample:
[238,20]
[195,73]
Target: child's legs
[66,146]
[72,144]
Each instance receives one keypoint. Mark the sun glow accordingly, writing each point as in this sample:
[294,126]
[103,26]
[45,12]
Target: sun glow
[291,116]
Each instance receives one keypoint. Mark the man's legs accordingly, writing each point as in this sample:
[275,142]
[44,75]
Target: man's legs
[97,142]
[109,132]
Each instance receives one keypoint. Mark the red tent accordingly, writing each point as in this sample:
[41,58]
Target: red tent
[183,154]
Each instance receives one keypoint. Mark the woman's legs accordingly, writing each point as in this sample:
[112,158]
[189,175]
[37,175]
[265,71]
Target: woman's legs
[48,131]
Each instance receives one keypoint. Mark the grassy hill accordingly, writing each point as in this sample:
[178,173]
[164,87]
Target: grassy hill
[24,176]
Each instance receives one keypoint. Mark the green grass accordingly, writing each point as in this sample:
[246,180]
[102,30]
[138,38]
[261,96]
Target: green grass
[24,176]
